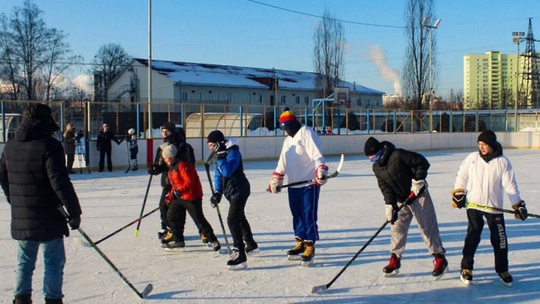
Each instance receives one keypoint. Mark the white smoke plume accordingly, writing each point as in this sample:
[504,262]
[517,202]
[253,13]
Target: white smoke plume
[377,56]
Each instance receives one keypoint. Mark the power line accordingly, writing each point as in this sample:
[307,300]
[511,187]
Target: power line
[320,17]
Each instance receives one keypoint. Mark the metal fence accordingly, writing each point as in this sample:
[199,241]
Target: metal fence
[256,120]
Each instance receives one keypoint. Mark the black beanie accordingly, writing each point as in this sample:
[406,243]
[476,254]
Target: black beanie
[489,138]
[215,136]
[372,146]
[169,126]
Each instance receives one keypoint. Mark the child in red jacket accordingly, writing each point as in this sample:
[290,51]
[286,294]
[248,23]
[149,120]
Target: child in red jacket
[185,195]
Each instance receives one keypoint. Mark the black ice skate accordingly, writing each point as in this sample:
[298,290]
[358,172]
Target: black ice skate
[238,260]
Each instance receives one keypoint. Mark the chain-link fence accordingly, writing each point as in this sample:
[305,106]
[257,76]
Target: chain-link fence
[251,120]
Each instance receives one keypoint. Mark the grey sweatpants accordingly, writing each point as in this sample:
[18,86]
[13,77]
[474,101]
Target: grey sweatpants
[423,211]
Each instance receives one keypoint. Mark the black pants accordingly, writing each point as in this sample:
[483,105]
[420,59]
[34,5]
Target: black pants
[70,160]
[102,154]
[498,238]
[164,208]
[238,223]
[176,219]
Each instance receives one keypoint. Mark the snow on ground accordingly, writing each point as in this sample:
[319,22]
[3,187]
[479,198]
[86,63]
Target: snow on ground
[351,210]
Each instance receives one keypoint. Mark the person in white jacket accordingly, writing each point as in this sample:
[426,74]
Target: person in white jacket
[482,179]
[302,160]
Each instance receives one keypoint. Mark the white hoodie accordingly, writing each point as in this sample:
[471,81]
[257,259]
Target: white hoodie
[300,156]
[486,183]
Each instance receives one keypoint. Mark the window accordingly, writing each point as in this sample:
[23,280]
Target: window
[359,102]
[284,99]
[297,99]
[184,96]
[306,100]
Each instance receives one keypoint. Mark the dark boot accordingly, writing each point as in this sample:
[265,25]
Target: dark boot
[53,301]
[23,299]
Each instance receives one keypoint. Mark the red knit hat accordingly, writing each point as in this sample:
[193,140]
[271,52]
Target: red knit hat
[287,116]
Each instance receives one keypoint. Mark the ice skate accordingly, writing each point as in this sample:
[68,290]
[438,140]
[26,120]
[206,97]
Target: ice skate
[252,248]
[175,246]
[506,278]
[238,260]
[393,266]
[296,252]
[466,276]
[308,254]
[441,266]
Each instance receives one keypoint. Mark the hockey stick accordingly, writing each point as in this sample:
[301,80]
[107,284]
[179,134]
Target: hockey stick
[143,205]
[319,288]
[207,167]
[336,173]
[80,242]
[129,156]
[146,291]
[473,205]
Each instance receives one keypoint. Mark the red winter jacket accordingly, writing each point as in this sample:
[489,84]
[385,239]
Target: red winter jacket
[184,178]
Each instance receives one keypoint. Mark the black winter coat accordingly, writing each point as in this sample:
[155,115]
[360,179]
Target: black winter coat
[35,180]
[395,171]
[104,139]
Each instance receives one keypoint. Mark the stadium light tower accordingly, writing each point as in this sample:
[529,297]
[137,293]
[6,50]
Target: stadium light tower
[430,28]
[517,37]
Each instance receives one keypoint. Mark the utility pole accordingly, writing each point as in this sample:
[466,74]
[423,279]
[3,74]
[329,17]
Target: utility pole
[430,28]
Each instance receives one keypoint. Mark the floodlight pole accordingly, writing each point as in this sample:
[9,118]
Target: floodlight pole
[150,129]
[430,28]
[517,37]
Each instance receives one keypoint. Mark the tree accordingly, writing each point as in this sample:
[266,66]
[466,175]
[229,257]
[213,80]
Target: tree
[110,60]
[415,77]
[328,52]
[32,55]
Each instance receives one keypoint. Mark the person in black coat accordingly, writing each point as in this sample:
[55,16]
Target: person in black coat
[35,180]
[104,146]
[176,136]
[400,172]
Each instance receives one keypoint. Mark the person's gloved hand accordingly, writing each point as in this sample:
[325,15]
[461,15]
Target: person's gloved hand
[221,150]
[153,170]
[520,210]
[215,199]
[168,198]
[459,198]
[417,185]
[74,222]
[391,212]
[276,183]
[321,175]
[176,194]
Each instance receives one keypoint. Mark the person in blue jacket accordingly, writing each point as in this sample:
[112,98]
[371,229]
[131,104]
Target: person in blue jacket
[230,181]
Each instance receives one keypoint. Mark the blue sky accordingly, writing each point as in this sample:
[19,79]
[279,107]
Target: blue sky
[248,33]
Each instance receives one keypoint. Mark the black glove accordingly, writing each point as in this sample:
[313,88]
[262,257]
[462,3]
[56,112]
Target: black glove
[459,198]
[221,150]
[216,199]
[392,213]
[176,194]
[74,222]
[154,169]
[520,210]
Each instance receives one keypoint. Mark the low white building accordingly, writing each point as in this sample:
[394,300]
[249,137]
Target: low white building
[224,86]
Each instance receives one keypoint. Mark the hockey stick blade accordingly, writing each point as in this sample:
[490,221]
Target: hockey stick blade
[210,157]
[318,289]
[147,290]
[336,173]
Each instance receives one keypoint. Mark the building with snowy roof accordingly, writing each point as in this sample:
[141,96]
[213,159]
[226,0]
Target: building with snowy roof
[222,86]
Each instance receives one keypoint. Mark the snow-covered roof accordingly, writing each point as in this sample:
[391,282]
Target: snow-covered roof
[234,76]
